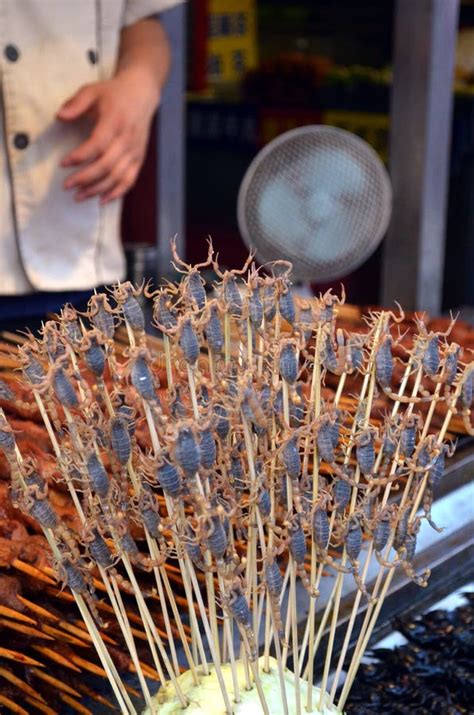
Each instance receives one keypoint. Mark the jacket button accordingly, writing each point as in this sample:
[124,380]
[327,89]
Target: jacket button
[21,140]
[92,56]
[11,53]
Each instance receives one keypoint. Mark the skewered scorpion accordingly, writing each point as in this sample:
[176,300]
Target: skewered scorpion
[236,605]
[192,285]
[296,541]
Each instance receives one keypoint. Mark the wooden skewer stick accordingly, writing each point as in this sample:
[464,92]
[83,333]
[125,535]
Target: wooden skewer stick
[109,667]
[358,595]
[371,617]
[315,397]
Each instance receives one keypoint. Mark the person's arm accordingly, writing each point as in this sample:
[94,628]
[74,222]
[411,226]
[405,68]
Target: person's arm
[121,109]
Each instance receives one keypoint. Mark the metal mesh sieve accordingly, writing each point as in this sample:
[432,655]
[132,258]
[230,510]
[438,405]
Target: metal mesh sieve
[317,196]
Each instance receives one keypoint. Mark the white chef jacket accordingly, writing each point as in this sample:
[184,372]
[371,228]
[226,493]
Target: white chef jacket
[48,50]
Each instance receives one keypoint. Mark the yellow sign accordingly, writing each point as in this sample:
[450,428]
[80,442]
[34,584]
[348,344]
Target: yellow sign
[232,39]
[370,126]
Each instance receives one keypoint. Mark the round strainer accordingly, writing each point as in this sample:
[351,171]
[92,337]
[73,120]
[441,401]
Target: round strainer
[317,196]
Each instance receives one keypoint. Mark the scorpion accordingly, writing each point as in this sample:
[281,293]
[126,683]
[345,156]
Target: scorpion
[286,305]
[126,296]
[193,284]
[326,303]
[255,302]
[101,315]
[127,545]
[164,313]
[353,546]
[405,545]
[273,582]
[296,541]
[74,573]
[212,326]
[321,532]
[235,603]
[99,553]
[70,327]
[427,347]
[230,291]
[94,354]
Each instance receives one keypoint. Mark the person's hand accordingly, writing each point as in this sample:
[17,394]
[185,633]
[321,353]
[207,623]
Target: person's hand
[110,159]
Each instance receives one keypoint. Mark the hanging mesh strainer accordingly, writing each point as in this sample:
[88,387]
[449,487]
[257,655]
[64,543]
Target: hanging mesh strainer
[317,196]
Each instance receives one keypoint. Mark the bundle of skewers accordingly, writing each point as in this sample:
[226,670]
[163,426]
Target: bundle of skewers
[244,476]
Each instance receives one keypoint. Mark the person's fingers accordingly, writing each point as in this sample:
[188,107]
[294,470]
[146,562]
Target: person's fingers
[98,169]
[78,104]
[94,146]
[123,186]
[107,183]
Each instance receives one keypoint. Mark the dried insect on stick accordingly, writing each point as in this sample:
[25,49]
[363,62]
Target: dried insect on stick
[328,354]
[355,346]
[53,340]
[288,363]
[467,393]
[148,512]
[251,407]
[99,481]
[214,537]
[264,502]
[230,290]
[186,451]
[286,304]
[365,451]
[353,545]
[451,363]
[94,354]
[297,549]
[407,554]
[327,431]
[208,449]
[188,340]
[269,302]
[34,499]
[221,421]
[177,407]
[70,325]
[237,606]
[101,315]
[120,441]
[236,473]
[164,314]
[75,575]
[341,494]
[408,435]
[141,376]
[382,529]
[427,344]
[63,388]
[326,305]
[274,585]
[438,467]
[255,303]
[321,527]
[168,477]
[213,328]
[129,546]
[193,284]
[125,294]
[306,321]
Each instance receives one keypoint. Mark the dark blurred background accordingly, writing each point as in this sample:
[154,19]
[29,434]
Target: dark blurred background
[256,68]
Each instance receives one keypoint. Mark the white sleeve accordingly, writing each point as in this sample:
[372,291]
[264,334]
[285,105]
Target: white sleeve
[138,9]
